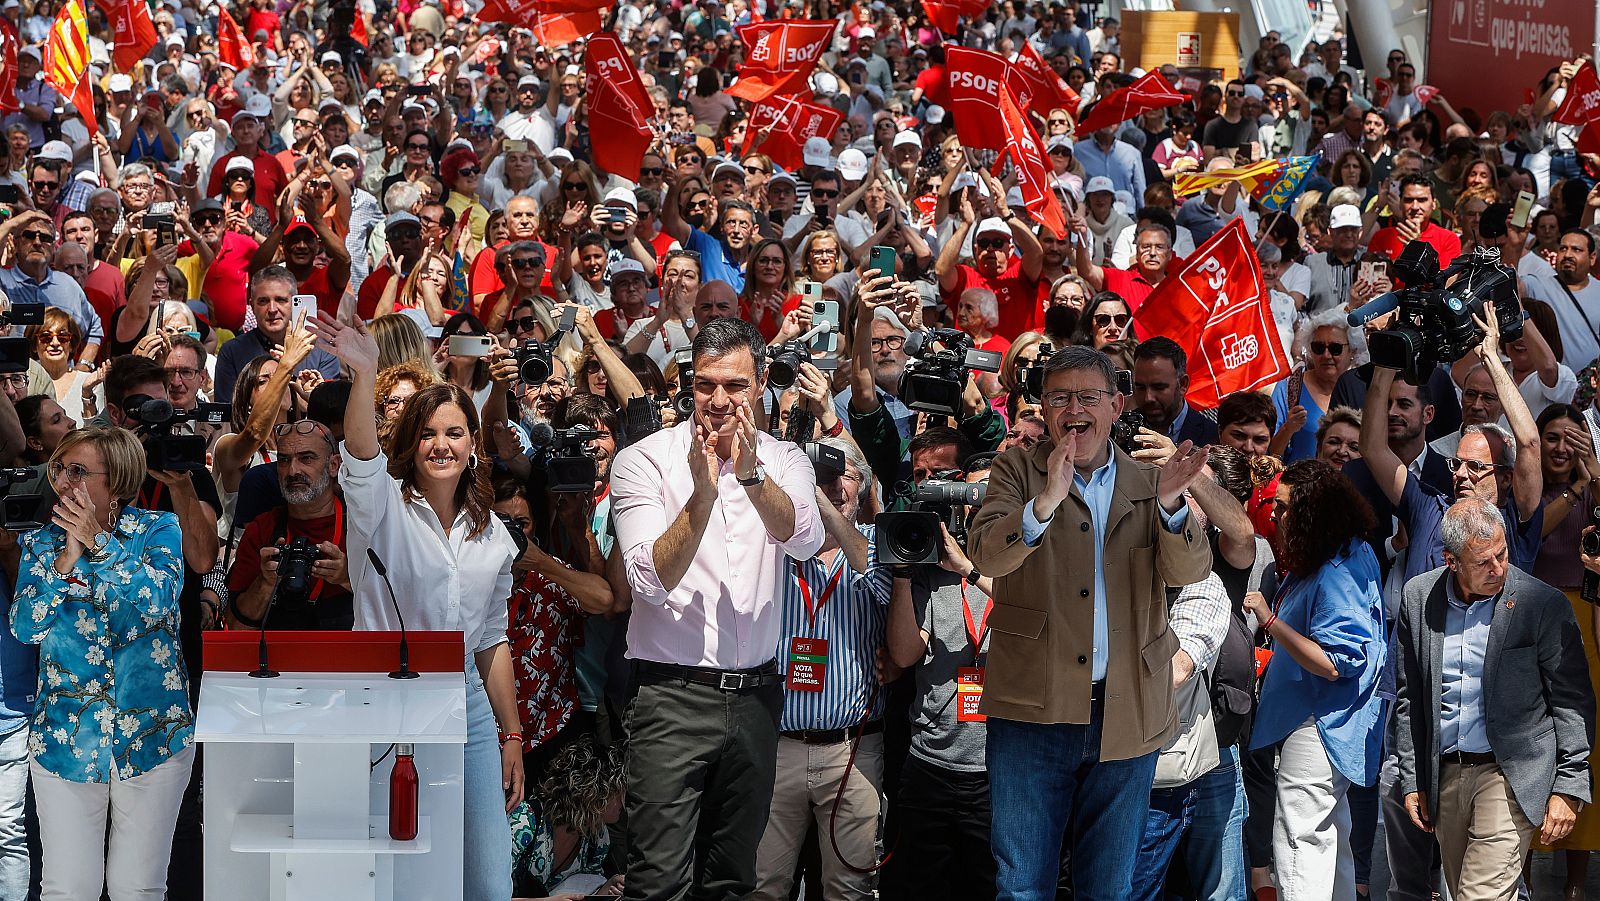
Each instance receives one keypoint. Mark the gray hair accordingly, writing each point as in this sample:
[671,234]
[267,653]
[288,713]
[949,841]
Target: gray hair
[276,272]
[1470,519]
[1492,432]
[402,195]
[1075,357]
[889,316]
[1268,252]
[988,306]
[98,193]
[1308,326]
[853,456]
[133,170]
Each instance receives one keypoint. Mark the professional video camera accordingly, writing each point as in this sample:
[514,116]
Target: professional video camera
[533,358]
[936,375]
[15,352]
[1434,324]
[295,559]
[1589,544]
[1031,376]
[913,536]
[25,511]
[568,468]
[827,462]
[155,420]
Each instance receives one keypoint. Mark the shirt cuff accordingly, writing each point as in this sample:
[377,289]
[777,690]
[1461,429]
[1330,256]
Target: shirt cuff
[1032,528]
[1174,522]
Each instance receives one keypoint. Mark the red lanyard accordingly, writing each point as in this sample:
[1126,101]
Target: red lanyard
[805,592]
[975,630]
[149,502]
[338,531]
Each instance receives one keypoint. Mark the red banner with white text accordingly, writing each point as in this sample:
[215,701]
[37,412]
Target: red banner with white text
[779,57]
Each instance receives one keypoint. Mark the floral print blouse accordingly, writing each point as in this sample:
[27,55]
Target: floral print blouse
[533,850]
[112,683]
[545,626]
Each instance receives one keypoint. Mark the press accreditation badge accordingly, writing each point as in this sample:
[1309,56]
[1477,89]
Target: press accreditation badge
[969,694]
[808,664]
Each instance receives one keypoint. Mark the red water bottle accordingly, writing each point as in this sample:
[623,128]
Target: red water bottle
[403,795]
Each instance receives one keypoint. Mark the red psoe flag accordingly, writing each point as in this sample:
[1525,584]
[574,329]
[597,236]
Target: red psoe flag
[944,15]
[1216,307]
[793,122]
[1149,92]
[976,77]
[134,33]
[1050,91]
[1033,173]
[1582,102]
[553,30]
[779,56]
[232,48]
[66,60]
[9,45]
[619,107]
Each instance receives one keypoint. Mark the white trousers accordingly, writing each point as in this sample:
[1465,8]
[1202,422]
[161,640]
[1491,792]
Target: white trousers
[72,832]
[1311,856]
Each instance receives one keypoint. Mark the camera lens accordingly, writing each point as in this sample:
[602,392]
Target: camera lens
[780,375]
[534,370]
[913,540]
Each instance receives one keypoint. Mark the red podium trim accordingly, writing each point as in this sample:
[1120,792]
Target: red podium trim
[333,652]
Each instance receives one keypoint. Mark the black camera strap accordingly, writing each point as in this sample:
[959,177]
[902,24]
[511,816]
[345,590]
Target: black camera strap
[1579,307]
[280,534]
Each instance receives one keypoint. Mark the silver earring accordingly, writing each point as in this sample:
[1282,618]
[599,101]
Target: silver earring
[472,461]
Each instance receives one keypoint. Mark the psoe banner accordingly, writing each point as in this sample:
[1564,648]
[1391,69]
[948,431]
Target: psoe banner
[1517,40]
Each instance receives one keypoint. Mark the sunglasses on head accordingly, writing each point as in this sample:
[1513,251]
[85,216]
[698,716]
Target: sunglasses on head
[1333,348]
[1101,320]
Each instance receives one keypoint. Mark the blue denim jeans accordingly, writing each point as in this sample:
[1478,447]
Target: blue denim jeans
[1213,849]
[13,832]
[1171,815]
[486,831]
[1045,777]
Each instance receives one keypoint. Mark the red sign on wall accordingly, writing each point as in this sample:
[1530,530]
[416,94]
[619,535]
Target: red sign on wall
[1518,40]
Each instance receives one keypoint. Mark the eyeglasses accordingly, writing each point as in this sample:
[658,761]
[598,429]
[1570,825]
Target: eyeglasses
[48,338]
[183,373]
[1475,467]
[137,185]
[893,342]
[1331,348]
[823,194]
[521,324]
[769,261]
[1086,397]
[992,244]
[467,171]
[15,380]
[1470,396]
[303,427]
[824,252]
[73,472]
[41,237]
[1101,320]
[394,400]
[524,263]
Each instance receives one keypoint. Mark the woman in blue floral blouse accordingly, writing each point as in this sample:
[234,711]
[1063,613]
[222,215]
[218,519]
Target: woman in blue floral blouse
[560,831]
[97,590]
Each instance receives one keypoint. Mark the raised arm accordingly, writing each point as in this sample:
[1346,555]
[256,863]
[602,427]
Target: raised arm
[1527,475]
[948,266]
[1386,467]
[357,350]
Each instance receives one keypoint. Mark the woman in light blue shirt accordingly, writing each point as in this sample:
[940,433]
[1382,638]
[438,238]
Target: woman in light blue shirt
[1319,701]
[97,590]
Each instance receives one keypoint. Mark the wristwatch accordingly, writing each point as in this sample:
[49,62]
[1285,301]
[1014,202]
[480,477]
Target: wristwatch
[97,550]
[757,478]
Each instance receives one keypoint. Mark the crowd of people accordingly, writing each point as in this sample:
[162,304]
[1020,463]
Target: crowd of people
[768,584]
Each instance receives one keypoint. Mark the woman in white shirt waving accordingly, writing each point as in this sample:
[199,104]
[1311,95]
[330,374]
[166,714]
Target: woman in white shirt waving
[426,512]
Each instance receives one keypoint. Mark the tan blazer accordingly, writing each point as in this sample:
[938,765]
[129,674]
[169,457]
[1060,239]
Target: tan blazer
[1041,644]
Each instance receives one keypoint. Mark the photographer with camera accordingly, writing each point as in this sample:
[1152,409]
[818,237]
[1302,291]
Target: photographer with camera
[289,570]
[830,743]
[1079,675]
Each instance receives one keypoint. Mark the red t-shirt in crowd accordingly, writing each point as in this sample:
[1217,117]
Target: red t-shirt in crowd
[1444,241]
[317,284]
[613,323]
[371,292]
[483,278]
[269,178]
[1018,297]
[261,20]
[935,84]
[106,289]
[259,533]
[997,343]
[227,283]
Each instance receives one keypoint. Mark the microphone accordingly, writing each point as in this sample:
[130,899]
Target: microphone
[1373,308]
[262,670]
[405,648]
[540,434]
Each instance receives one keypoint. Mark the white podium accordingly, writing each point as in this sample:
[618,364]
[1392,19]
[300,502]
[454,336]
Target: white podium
[295,810]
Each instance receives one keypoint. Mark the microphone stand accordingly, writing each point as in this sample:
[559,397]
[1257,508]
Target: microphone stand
[404,672]
[263,671]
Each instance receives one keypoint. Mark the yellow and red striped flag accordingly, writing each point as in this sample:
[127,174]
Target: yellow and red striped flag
[66,60]
[1248,177]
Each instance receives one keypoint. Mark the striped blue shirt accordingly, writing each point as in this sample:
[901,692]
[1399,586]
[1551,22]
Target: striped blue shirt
[853,622]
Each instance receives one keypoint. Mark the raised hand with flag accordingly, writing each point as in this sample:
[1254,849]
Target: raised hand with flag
[1149,92]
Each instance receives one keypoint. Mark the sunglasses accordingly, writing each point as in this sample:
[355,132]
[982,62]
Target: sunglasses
[753,170]
[521,324]
[992,244]
[468,171]
[824,194]
[1236,93]
[1332,348]
[1058,122]
[312,123]
[422,146]
[1061,151]
[45,185]
[1475,467]
[1101,320]
[53,337]
[573,186]
[42,237]
[526,263]
[654,171]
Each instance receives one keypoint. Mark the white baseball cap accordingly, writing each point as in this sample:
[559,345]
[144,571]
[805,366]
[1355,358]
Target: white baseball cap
[1058,141]
[934,114]
[908,138]
[627,266]
[1345,215]
[624,196]
[55,150]
[993,225]
[240,164]
[817,152]
[258,107]
[1098,184]
[331,56]
[853,164]
[120,82]
[344,150]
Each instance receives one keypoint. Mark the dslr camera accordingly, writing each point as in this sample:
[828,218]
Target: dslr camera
[25,511]
[1434,322]
[683,400]
[294,569]
[783,363]
[533,358]
[1031,376]
[936,374]
[155,422]
[14,352]
[913,536]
